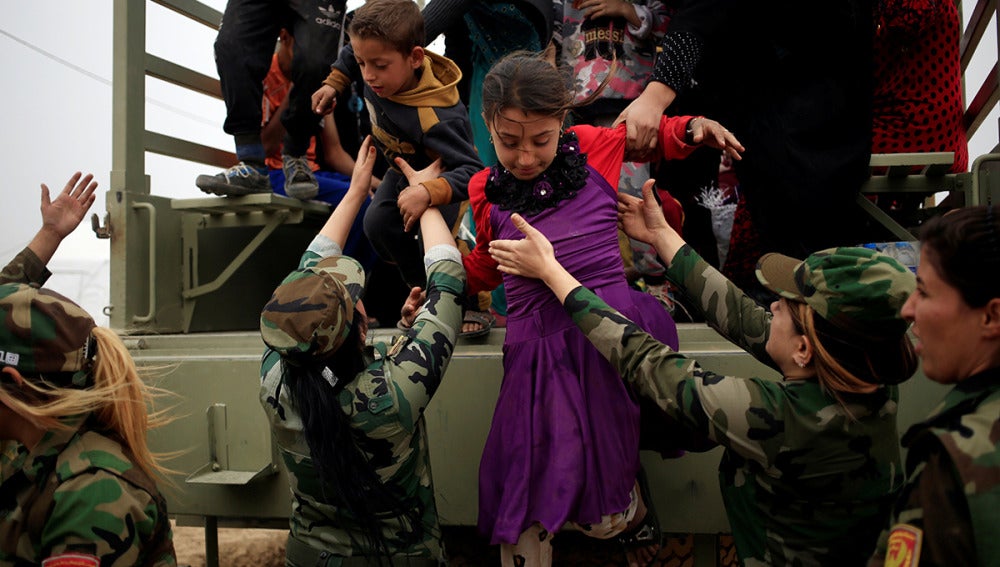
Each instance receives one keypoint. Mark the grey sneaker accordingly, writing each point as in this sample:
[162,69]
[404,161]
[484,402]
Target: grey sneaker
[241,179]
[299,179]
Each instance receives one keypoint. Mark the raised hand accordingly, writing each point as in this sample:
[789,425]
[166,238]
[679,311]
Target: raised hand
[63,214]
[361,175]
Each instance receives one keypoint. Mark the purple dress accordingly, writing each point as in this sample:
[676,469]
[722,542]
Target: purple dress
[564,442]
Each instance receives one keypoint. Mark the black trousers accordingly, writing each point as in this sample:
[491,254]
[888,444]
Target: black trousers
[384,228]
[243,51]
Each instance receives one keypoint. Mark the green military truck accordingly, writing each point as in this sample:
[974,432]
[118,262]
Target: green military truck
[188,277]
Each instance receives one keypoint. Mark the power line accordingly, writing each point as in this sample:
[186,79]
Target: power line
[56,58]
[107,82]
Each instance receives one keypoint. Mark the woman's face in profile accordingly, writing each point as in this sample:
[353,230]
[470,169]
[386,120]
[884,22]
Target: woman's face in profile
[946,327]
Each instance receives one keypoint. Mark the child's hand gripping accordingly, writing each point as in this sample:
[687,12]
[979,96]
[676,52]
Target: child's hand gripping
[415,198]
[324,99]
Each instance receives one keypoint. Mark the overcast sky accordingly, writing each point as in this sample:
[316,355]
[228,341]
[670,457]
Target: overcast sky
[57,103]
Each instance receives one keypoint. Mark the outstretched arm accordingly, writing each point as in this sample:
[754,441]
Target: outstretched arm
[338,226]
[61,216]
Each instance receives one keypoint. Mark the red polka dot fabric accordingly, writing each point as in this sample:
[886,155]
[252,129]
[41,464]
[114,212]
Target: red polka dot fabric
[918,102]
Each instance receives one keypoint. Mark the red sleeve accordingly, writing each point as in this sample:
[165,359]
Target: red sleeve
[605,147]
[480,268]
[671,137]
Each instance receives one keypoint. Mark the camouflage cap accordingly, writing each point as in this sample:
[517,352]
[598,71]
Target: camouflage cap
[855,289]
[43,332]
[311,311]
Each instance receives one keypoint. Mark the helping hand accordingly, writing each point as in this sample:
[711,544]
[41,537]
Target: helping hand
[412,305]
[711,133]
[642,120]
[62,215]
[324,99]
[361,176]
[415,198]
[530,257]
[642,219]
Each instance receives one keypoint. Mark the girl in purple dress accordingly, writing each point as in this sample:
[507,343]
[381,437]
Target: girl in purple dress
[564,443]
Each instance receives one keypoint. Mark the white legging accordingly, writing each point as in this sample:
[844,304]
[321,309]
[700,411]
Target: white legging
[534,545]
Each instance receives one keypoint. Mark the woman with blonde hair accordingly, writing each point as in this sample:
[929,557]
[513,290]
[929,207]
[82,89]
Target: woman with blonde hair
[810,462]
[76,474]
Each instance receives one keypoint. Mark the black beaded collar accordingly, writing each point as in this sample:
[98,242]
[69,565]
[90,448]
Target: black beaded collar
[566,175]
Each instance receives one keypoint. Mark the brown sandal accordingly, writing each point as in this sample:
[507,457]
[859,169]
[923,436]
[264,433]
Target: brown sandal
[484,319]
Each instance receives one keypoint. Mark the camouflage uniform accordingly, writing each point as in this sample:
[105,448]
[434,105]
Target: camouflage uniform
[385,402]
[76,491]
[803,482]
[948,513]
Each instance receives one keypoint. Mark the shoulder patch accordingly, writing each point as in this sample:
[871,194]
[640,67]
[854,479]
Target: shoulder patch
[71,560]
[904,546]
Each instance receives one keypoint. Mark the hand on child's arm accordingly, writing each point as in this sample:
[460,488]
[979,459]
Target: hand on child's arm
[415,198]
[643,220]
[412,202]
[711,133]
[642,119]
[324,99]
[532,257]
[61,216]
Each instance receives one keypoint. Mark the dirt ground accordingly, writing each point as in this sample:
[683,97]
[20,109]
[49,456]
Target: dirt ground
[237,547]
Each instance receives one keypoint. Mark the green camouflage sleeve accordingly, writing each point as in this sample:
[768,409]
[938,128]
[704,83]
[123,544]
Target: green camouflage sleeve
[100,515]
[419,361]
[724,306]
[742,414]
[26,267]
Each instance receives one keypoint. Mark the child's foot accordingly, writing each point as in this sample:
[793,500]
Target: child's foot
[642,538]
[477,324]
[299,179]
[241,179]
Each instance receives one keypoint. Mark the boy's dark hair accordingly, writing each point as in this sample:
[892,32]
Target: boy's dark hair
[396,22]
[964,247]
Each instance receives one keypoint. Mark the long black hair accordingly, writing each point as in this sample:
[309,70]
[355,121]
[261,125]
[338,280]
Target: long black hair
[348,479]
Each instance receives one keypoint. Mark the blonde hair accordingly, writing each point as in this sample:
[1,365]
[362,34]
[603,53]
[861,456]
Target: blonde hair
[119,400]
[843,359]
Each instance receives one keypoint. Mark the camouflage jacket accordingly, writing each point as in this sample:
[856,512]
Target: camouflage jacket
[803,483]
[949,510]
[76,492]
[386,403]
[26,267]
